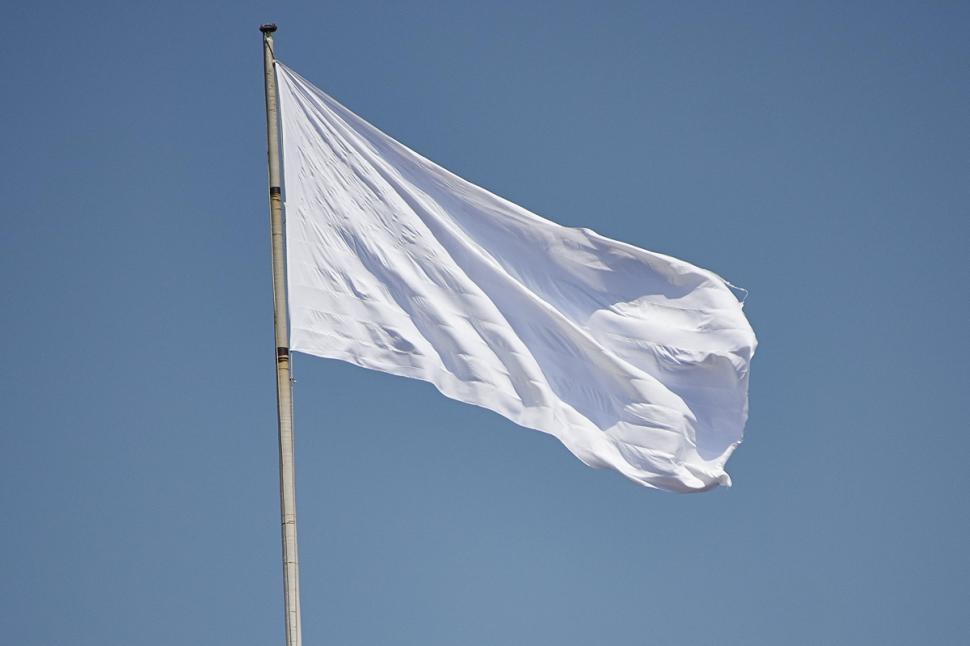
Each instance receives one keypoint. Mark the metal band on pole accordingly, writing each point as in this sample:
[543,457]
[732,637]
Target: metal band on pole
[284,388]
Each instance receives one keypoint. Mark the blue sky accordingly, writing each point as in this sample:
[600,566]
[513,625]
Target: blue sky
[815,153]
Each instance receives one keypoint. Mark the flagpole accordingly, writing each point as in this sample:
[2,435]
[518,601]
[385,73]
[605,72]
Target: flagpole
[284,387]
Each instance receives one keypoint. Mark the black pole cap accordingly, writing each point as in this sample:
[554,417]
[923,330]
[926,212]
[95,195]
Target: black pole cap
[268,28]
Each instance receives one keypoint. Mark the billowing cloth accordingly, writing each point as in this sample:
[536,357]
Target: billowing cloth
[635,360]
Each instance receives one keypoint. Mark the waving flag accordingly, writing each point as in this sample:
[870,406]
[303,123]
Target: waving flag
[635,360]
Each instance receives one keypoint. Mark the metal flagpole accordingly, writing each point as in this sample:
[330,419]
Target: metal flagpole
[284,388]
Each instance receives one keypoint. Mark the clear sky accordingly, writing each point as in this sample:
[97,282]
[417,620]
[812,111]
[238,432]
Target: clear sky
[814,153]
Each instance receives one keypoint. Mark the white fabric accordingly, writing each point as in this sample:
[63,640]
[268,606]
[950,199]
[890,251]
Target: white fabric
[634,360]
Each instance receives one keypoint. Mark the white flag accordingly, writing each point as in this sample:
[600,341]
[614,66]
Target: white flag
[634,360]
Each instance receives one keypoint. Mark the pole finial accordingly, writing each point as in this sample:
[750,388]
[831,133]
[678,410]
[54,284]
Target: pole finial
[268,28]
